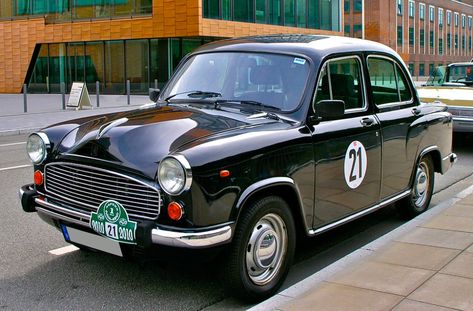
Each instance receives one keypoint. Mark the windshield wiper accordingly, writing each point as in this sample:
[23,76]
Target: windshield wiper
[237,103]
[195,94]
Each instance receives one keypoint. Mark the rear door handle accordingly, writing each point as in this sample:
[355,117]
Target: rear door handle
[416,111]
[367,122]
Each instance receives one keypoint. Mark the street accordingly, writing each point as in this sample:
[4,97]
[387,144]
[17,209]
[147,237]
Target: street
[33,278]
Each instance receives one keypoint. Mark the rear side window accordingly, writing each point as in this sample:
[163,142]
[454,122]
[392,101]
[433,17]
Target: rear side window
[340,79]
[388,83]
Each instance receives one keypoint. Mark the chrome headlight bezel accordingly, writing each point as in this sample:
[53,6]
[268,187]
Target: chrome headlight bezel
[181,162]
[43,144]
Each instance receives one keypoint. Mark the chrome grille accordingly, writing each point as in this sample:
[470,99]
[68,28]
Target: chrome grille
[83,188]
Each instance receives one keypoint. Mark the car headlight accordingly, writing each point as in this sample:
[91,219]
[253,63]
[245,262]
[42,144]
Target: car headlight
[37,147]
[174,174]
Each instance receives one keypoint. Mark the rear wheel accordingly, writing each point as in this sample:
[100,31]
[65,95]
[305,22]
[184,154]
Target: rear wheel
[421,193]
[262,249]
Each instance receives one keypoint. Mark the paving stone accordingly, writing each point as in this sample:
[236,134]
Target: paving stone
[383,277]
[447,291]
[415,255]
[461,266]
[411,305]
[460,210]
[454,223]
[336,297]
[439,238]
[466,201]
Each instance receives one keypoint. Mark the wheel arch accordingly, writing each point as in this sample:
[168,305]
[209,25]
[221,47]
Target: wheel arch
[283,187]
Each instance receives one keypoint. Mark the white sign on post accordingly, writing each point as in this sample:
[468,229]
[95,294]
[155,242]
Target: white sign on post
[79,96]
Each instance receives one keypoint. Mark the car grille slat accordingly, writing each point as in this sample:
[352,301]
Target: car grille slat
[83,188]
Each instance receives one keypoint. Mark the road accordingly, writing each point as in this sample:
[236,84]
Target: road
[33,278]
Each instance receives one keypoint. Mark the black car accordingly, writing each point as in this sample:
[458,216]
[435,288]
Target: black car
[252,141]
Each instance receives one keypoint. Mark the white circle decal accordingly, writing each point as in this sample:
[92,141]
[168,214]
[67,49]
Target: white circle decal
[355,164]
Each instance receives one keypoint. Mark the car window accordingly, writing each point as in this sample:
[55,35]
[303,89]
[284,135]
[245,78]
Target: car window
[388,83]
[340,79]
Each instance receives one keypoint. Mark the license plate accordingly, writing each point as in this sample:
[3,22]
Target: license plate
[91,240]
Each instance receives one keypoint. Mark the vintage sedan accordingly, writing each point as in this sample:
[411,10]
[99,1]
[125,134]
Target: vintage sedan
[252,141]
[452,85]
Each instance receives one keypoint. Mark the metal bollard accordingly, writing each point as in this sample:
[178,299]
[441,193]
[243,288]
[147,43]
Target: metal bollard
[63,95]
[25,98]
[128,92]
[97,92]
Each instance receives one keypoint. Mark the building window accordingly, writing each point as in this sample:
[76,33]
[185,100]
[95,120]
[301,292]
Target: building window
[346,6]
[463,42]
[411,8]
[422,11]
[463,21]
[399,7]
[431,13]
[357,6]
[440,46]
[357,31]
[431,39]
[422,38]
[470,44]
[347,30]
[449,18]
[449,41]
[411,68]
[440,17]
[469,22]
[456,19]
[421,69]
[456,41]
[411,36]
[399,35]
[431,69]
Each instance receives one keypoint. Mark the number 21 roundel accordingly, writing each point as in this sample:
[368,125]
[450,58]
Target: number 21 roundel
[356,162]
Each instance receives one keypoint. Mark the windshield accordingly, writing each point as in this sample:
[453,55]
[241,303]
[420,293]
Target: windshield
[461,73]
[437,77]
[269,79]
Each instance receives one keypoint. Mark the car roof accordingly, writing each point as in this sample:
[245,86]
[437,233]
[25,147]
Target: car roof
[314,46]
[460,64]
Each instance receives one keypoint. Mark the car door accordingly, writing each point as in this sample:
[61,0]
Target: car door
[397,111]
[347,149]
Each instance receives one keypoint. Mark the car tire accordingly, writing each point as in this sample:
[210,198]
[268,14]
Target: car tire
[262,249]
[422,188]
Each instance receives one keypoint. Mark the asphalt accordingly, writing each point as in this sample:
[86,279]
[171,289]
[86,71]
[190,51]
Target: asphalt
[425,264]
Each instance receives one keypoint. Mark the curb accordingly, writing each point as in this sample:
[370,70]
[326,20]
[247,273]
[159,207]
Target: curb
[314,280]
[19,131]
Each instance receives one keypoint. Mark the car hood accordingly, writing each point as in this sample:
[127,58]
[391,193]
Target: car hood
[450,95]
[139,139]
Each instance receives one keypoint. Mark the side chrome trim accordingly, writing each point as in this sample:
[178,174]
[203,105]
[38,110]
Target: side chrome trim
[158,236]
[191,240]
[262,184]
[359,214]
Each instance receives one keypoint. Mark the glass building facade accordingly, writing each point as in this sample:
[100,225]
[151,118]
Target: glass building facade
[67,10]
[143,62]
[316,14]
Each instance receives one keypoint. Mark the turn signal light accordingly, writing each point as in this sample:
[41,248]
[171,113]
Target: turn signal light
[224,173]
[175,211]
[38,178]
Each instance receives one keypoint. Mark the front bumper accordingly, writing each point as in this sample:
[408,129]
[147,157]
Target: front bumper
[147,232]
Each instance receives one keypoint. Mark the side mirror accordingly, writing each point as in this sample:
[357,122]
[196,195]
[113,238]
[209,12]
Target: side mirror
[330,109]
[154,94]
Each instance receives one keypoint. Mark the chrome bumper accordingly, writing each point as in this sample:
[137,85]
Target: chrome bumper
[198,239]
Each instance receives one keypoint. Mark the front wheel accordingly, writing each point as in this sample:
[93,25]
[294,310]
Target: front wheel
[262,249]
[422,188]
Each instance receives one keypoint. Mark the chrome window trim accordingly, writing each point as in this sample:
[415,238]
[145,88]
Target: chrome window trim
[362,80]
[396,68]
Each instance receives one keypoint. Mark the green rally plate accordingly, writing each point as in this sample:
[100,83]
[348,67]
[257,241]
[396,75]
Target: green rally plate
[111,221]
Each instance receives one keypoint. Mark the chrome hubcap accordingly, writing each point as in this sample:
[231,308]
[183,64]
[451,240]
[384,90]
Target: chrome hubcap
[421,185]
[266,249]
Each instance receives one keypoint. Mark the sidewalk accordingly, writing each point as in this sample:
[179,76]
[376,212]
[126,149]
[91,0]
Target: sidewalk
[426,264]
[46,109]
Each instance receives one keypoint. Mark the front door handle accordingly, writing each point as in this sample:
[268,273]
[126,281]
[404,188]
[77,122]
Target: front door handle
[367,122]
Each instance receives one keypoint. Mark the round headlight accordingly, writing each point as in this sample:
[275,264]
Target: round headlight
[174,175]
[36,147]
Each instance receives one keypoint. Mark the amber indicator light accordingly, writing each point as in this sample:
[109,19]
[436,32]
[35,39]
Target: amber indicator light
[38,178]
[224,173]
[175,211]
